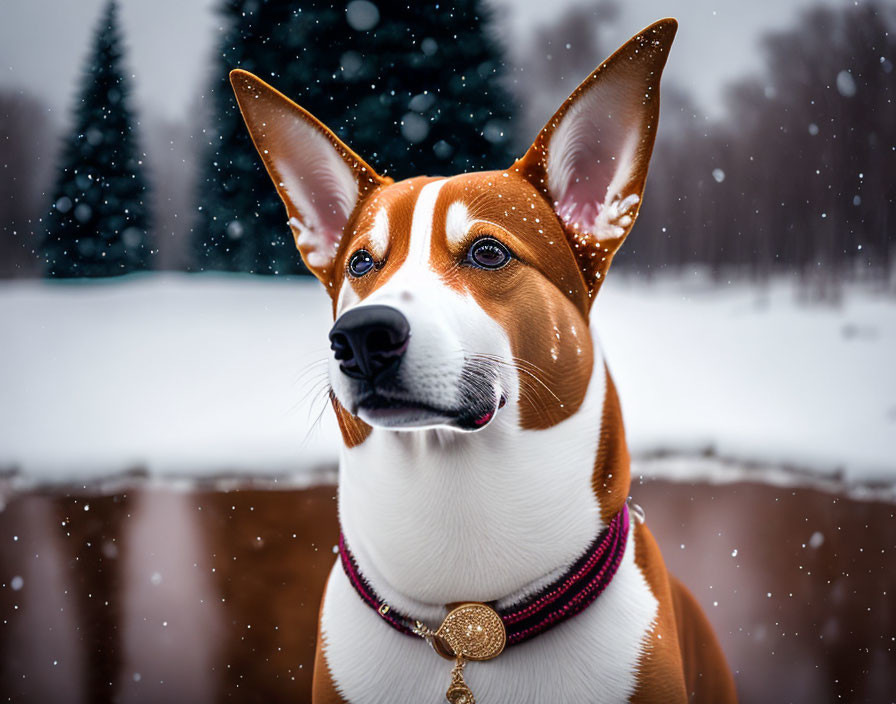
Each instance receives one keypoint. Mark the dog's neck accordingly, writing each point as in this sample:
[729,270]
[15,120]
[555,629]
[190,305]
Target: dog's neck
[436,517]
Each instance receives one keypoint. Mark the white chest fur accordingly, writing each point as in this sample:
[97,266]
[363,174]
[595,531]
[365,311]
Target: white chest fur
[438,519]
[434,519]
[592,657]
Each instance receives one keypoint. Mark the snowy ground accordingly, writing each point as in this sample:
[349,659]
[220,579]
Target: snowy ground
[199,375]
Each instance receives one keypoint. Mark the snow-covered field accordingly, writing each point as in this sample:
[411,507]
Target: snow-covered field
[212,374]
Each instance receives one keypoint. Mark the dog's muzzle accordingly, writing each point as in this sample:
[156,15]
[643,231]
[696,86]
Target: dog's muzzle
[370,341]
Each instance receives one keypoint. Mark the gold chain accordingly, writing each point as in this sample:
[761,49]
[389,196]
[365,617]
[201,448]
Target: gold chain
[458,691]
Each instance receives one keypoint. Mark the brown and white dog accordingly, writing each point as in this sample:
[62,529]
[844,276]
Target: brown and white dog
[484,447]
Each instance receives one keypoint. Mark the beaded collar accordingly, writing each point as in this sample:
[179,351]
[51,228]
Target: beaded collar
[570,594]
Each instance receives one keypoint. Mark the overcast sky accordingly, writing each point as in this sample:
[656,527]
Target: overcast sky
[43,42]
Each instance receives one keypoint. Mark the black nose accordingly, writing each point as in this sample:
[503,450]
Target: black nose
[370,341]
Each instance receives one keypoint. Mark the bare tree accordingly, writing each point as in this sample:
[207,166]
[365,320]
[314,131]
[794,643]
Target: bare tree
[799,174]
[559,57]
[27,142]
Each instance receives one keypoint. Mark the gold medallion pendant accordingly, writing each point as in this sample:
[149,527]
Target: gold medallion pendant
[472,631]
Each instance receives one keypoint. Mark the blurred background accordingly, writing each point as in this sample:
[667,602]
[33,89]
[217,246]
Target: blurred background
[167,454]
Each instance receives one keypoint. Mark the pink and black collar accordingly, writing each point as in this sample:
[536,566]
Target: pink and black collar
[568,595]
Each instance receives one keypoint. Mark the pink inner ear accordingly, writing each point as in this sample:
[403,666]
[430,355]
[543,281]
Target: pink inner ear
[592,157]
[317,184]
[576,208]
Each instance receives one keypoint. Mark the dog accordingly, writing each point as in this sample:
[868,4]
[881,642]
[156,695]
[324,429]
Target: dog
[484,476]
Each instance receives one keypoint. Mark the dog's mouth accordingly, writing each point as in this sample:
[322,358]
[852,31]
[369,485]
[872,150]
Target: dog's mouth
[484,416]
[396,412]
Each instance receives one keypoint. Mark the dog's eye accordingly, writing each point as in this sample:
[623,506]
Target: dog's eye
[488,253]
[360,263]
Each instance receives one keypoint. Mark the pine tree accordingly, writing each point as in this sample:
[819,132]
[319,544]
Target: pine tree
[99,218]
[412,87]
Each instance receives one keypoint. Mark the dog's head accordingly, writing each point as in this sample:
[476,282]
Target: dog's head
[455,297]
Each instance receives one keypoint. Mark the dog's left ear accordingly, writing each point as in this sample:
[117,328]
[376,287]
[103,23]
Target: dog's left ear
[320,180]
[591,158]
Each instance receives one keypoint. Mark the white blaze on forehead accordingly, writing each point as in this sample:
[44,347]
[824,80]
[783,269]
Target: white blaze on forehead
[419,248]
[457,222]
[421,224]
[379,234]
[347,297]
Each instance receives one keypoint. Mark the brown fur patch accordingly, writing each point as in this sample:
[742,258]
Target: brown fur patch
[354,430]
[610,479]
[398,200]
[706,673]
[539,298]
[660,670]
[682,661]
[511,210]
[323,688]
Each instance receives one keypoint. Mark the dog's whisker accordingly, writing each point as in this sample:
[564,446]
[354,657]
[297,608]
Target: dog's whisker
[316,392]
[311,368]
[312,389]
[517,365]
[515,360]
[321,398]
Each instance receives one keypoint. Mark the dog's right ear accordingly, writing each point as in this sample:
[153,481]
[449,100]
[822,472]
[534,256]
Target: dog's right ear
[590,160]
[319,178]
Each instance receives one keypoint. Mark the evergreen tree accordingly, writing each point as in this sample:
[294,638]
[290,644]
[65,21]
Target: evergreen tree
[412,87]
[99,219]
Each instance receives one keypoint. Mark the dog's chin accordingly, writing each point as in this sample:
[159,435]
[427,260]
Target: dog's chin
[404,418]
[396,413]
